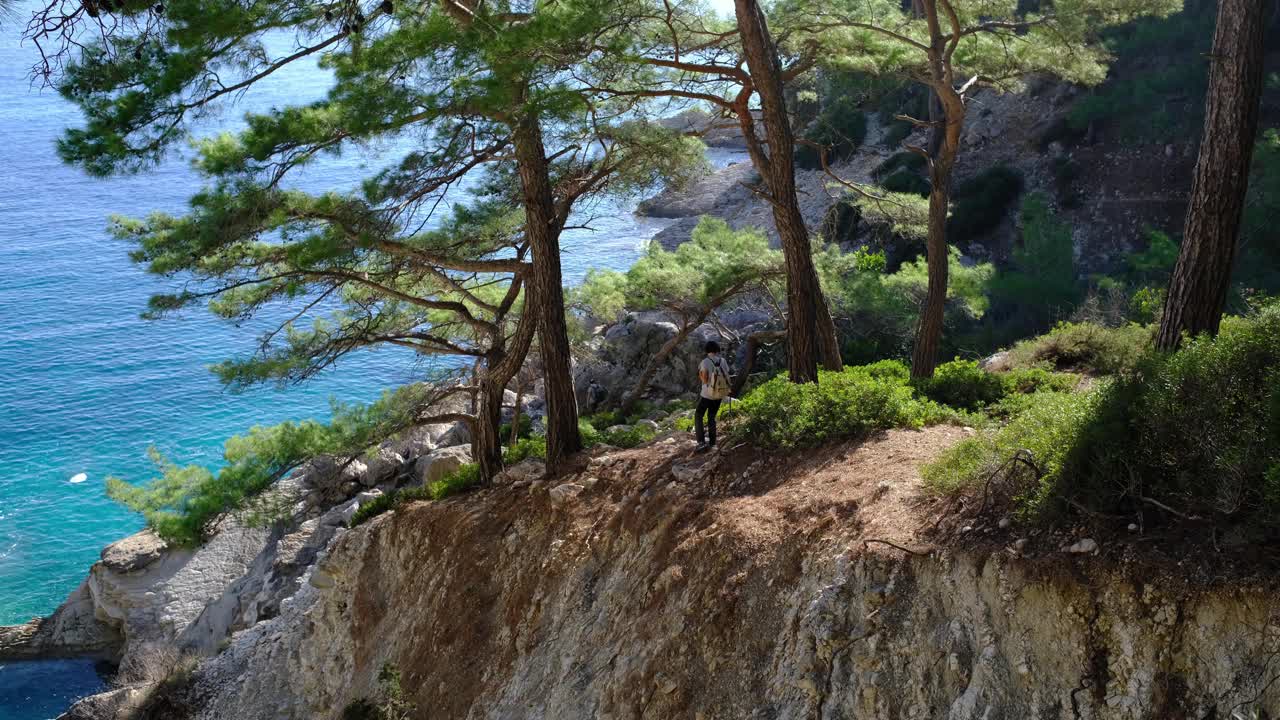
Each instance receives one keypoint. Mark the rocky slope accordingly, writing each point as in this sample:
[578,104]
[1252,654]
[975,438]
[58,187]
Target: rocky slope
[648,585]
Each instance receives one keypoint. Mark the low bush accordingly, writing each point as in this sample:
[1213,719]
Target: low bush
[982,202]
[526,428]
[531,447]
[854,402]
[962,384]
[1044,427]
[391,704]
[906,181]
[1192,435]
[910,161]
[457,482]
[895,132]
[1084,347]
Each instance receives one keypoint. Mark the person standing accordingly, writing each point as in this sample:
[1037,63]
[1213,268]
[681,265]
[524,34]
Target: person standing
[713,372]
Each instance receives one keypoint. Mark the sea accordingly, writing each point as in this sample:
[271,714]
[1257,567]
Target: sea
[87,386]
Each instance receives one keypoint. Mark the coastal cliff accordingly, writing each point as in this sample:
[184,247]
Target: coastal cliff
[644,584]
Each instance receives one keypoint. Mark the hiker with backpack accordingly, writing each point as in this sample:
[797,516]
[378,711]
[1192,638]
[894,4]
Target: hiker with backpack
[713,372]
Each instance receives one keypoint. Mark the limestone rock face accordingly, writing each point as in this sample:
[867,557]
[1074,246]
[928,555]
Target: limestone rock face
[661,605]
[629,345]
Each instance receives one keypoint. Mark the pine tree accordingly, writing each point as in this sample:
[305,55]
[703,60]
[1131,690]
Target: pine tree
[690,55]
[954,47]
[485,90]
[1198,288]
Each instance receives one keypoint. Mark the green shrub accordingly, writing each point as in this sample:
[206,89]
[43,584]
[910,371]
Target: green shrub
[386,502]
[962,384]
[628,437]
[906,181]
[841,128]
[852,403]
[1041,286]
[1193,434]
[1084,347]
[1022,381]
[530,447]
[457,482]
[391,706]
[982,202]
[1045,427]
[1066,176]
[895,132]
[526,428]
[910,161]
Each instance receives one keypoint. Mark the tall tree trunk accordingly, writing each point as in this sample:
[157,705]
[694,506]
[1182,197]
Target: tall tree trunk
[486,445]
[754,341]
[546,290]
[811,333]
[502,363]
[1198,288]
[924,356]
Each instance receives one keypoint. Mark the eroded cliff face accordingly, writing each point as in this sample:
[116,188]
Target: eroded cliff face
[745,588]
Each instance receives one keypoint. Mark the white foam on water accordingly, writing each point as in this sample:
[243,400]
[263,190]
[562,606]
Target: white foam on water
[78,478]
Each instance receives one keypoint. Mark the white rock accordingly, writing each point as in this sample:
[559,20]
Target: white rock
[525,471]
[382,467]
[562,494]
[432,467]
[1086,545]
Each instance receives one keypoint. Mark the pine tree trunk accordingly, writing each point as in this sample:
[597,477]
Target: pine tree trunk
[924,356]
[486,445]
[1198,288]
[545,294]
[754,340]
[811,333]
[502,362]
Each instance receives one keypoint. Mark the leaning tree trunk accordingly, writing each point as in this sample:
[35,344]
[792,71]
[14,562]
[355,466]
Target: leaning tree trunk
[502,362]
[546,290]
[924,356]
[1198,288]
[811,333]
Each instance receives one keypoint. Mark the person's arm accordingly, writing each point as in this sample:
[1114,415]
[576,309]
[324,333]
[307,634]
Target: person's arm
[702,373]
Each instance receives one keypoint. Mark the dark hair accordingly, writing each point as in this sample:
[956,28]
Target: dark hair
[713,346]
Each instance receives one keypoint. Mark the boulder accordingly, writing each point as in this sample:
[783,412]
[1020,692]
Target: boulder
[384,466]
[433,467]
[525,471]
[133,553]
[458,434]
[562,494]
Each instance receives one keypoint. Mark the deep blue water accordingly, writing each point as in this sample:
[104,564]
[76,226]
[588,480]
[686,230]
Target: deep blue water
[86,386]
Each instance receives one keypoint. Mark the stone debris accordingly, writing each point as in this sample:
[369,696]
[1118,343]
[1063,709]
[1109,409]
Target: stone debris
[1087,545]
[562,494]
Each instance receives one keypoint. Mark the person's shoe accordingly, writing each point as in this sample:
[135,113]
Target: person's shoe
[701,448]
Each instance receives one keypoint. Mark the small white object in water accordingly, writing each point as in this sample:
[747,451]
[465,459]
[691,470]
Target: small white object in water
[79,478]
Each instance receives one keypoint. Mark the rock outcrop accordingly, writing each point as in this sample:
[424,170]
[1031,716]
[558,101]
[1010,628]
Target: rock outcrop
[781,591]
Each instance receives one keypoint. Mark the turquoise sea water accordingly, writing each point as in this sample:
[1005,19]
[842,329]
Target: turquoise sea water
[86,386]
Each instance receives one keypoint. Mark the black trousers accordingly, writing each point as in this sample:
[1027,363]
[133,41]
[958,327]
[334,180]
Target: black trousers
[711,408]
